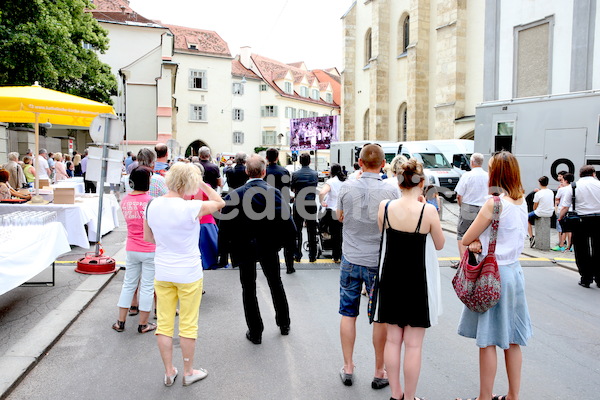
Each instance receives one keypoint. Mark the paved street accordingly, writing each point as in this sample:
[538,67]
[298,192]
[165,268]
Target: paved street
[92,361]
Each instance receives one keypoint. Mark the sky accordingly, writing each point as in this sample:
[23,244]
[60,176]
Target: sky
[284,30]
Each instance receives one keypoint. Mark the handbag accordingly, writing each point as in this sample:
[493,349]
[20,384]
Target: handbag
[477,285]
[374,292]
[571,221]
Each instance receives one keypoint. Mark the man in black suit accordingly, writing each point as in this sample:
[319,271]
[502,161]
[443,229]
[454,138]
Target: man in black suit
[237,176]
[279,177]
[304,185]
[255,224]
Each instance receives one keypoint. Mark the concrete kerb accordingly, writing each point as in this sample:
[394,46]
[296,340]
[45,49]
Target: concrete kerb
[32,347]
[529,252]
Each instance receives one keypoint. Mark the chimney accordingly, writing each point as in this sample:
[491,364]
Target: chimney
[123,8]
[245,53]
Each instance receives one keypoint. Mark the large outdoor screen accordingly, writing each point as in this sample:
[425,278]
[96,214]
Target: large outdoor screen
[315,133]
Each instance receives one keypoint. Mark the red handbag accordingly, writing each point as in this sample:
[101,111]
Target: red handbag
[478,285]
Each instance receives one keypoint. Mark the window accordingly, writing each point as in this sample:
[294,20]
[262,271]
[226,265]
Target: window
[290,112]
[368,48]
[504,135]
[87,46]
[316,95]
[197,79]
[402,123]
[404,35]
[238,88]
[302,113]
[238,137]
[329,98]
[313,114]
[303,91]
[192,47]
[269,137]
[533,64]
[197,112]
[238,114]
[288,88]
[366,125]
[263,87]
[268,111]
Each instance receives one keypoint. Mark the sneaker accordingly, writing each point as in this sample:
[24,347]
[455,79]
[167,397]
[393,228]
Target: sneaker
[198,375]
[558,248]
[531,241]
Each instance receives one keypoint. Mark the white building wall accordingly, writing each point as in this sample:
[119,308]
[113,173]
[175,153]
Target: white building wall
[215,132]
[364,20]
[251,125]
[517,12]
[596,62]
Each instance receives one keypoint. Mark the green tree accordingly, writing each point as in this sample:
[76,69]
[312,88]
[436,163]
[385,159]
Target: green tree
[43,40]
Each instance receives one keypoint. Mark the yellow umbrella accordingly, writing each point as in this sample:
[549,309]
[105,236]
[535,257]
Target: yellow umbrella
[35,104]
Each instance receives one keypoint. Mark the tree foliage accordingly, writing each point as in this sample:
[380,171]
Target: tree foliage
[43,40]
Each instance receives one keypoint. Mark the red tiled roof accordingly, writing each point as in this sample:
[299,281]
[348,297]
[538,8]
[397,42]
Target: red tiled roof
[207,42]
[297,64]
[331,76]
[112,5]
[122,18]
[238,69]
[271,70]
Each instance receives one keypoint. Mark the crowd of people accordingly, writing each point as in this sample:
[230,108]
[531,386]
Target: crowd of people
[384,228]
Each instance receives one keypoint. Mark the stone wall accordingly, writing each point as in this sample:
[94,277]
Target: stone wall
[418,71]
[348,128]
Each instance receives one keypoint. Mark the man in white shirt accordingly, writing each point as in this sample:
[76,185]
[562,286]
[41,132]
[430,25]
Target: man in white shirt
[471,190]
[543,206]
[586,239]
[42,167]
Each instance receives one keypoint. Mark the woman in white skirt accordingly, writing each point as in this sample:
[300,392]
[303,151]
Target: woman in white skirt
[506,325]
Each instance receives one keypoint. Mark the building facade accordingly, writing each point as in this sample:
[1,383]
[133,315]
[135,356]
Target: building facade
[413,69]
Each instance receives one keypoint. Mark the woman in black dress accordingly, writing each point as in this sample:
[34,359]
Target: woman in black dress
[405,302]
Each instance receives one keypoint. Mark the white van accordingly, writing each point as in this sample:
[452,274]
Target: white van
[437,169]
[457,151]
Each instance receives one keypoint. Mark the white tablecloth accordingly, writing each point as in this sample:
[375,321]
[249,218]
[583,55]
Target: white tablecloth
[71,183]
[29,251]
[74,217]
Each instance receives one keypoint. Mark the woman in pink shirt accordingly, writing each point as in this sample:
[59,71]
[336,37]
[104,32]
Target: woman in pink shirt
[140,254]
[60,170]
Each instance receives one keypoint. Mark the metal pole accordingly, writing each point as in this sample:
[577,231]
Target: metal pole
[37,199]
[102,179]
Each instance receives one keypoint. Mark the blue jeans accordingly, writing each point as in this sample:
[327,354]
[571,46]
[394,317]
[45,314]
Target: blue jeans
[352,277]
[138,265]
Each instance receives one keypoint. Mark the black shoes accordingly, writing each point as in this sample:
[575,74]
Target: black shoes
[285,330]
[379,383]
[584,284]
[312,260]
[255,340]
[297,259]
[290,270]
[347,379]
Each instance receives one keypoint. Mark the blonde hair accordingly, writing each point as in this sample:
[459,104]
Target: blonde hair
[57,157]
[411,174]
[396,164]
[76,159]
[183,178]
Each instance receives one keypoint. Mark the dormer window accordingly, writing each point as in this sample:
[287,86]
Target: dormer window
[192,46]
[329,98]
[287,87]
[303,91]
[316,95]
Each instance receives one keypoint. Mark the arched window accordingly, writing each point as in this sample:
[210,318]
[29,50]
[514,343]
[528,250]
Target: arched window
[402,121]
[366,126]
[368,47]
[404,34]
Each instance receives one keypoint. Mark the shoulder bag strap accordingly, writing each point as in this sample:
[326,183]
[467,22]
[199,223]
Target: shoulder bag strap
[495,222]
[385,222]
[573,186]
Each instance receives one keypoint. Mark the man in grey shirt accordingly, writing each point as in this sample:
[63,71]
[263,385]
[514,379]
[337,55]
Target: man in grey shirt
[357,209]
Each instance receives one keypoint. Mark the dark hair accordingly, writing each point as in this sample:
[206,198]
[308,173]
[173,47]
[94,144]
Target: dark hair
[429,192]
[139,179]
[304,159]
[569,177]
[336,170]
[543,180]
[161,150]
[356,166]
[505,175]
[563,173]
[411,174]
[272,154]
[587,170]
[4,175]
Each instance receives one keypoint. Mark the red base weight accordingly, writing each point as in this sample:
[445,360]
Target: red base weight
[96,265]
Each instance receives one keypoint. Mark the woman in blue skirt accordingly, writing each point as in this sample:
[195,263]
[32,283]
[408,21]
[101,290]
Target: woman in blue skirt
[506,325]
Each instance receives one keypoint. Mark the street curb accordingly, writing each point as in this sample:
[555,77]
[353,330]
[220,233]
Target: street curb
[23,356]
